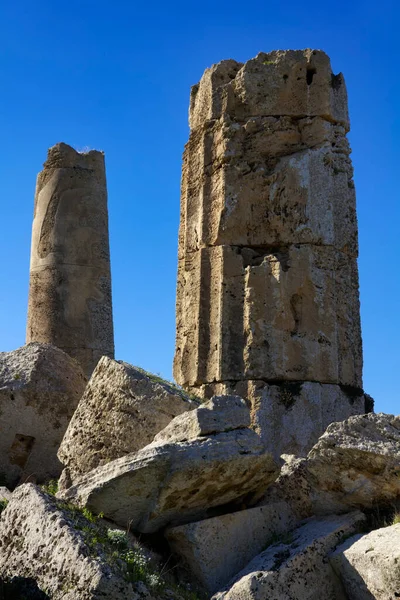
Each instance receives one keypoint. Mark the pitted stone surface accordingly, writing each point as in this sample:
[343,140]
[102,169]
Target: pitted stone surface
[267,261]
[40,387]
[368,565]
[214,550]
[39,541]
[297,568]
[174,483]
[356,463]
[121,411]
[221,413]
[70,282]
[302,409]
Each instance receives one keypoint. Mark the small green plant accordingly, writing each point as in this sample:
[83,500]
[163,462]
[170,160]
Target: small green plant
[396,518]
[268,62]
[17,376]
[51,487]
[3,504]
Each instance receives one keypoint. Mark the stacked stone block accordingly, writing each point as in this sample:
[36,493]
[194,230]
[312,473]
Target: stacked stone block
[267,278]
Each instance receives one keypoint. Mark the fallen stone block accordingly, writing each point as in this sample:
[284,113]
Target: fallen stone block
[178,482]
[221,413]
[40,387]
[356,463]
[297,568]
[42,542]
[121,411]
[214,550]
[368,565]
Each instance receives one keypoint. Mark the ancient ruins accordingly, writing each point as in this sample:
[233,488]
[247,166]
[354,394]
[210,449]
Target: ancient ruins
[70,278]
[267,299]
[265,475]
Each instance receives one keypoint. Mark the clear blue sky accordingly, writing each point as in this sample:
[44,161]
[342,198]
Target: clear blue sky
[116,76]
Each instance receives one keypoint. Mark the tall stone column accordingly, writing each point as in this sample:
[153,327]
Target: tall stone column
[267,298]
[70,279]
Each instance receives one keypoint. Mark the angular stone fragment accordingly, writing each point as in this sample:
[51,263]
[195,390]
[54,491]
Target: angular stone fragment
[291,416]
[221,413]
[70,282]
[297,568]
[356,463]
[213,550]
[40,387]
[40,541]
[173,483]
[121,411]
[368,565]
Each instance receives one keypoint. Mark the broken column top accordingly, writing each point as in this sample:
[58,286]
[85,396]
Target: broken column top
[296,83]
[63,156]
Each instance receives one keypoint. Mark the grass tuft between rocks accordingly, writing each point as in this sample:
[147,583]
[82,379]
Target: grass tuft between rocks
[115,548]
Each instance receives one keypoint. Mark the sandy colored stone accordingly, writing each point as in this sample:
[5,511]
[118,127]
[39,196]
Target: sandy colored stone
[121,411]
[214,550]
[39,541]
[368,565]
[173,483]
[267,182]
[221,413]
[278,83]
[356,463]
[40,387]
[289,314]
[70,282]
[296,569]
[291,416]
[267,289]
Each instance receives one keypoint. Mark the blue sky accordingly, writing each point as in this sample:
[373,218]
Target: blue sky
[116,76]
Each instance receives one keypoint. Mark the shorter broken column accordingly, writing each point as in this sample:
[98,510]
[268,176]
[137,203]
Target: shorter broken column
[70,280]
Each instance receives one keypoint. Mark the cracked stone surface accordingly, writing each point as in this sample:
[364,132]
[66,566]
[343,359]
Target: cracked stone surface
[268,242]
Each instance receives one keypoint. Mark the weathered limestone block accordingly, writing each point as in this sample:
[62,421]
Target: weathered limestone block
[268,182]
[174,483]
[121,411]
[356,463]
[221,413]
[70,282]
[278,83]
[297,568]
[291,416]
[40,387]
[368,565]
[39,541]
[287,314]
[214,550]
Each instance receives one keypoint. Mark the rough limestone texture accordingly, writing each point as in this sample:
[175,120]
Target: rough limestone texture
[267,278]
[214,550]
[40,387]
[368,565]
[121,411]
[39,541]
[356,463]
[221,413]
[297,568]
[303,409]
[174,483]
[70,281]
